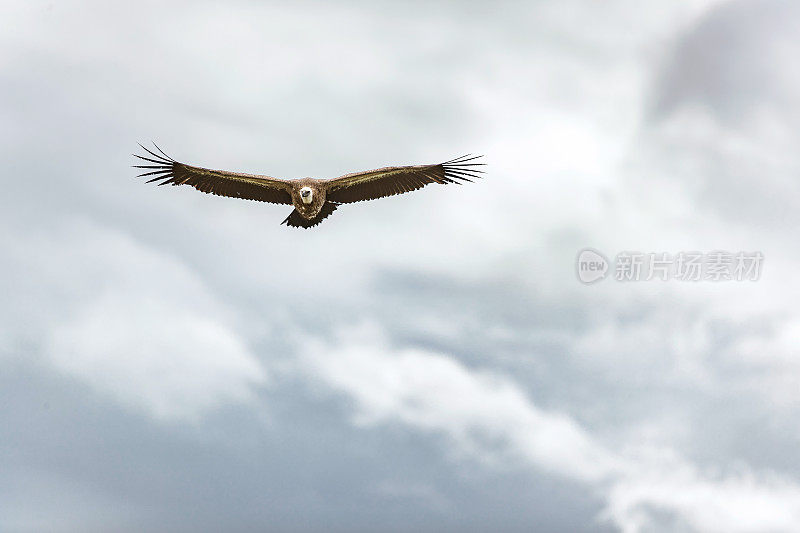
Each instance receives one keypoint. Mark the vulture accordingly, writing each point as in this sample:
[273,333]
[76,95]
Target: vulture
[313,199]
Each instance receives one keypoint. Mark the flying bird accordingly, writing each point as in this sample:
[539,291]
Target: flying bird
[313,199]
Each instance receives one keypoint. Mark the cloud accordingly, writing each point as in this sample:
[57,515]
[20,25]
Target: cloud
[485,416]
[666,493]
[134,324]
[169,305]
[488,418]
[149,353]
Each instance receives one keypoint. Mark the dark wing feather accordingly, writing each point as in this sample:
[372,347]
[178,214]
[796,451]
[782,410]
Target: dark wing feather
[166,170]
[296,220]
[397,180]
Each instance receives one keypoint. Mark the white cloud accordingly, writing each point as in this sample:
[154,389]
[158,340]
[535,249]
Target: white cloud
[663,492]
[770,362]
[134,324]
[149,352]
[485,415]
[489,418]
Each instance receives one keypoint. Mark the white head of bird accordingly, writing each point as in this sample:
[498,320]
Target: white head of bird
[306,195]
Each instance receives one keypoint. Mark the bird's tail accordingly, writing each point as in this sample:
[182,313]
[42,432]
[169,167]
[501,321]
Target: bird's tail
[296,220]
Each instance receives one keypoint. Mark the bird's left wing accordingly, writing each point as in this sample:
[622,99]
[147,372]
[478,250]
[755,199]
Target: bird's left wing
[166,170]
[397,180]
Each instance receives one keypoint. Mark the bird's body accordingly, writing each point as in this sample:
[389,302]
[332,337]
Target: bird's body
[313,199]
[308,196]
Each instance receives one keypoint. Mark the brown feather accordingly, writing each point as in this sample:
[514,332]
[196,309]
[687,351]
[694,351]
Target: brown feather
[218,182]
[295,220]
[390,181]
[327,194]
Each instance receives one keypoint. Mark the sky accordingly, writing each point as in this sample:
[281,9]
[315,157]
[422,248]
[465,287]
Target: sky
[174,361]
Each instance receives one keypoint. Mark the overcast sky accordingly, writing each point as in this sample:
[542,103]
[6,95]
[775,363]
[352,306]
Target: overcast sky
[173,361]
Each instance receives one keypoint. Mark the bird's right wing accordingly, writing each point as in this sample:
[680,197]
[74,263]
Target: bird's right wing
[166,170]
[389,181]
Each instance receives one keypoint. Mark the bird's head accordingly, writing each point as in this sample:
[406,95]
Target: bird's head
[306,195]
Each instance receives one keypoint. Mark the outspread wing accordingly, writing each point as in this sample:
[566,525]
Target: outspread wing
[397,180]
[166,170]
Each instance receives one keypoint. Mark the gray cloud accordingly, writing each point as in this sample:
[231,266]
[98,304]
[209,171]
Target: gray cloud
[172,361]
